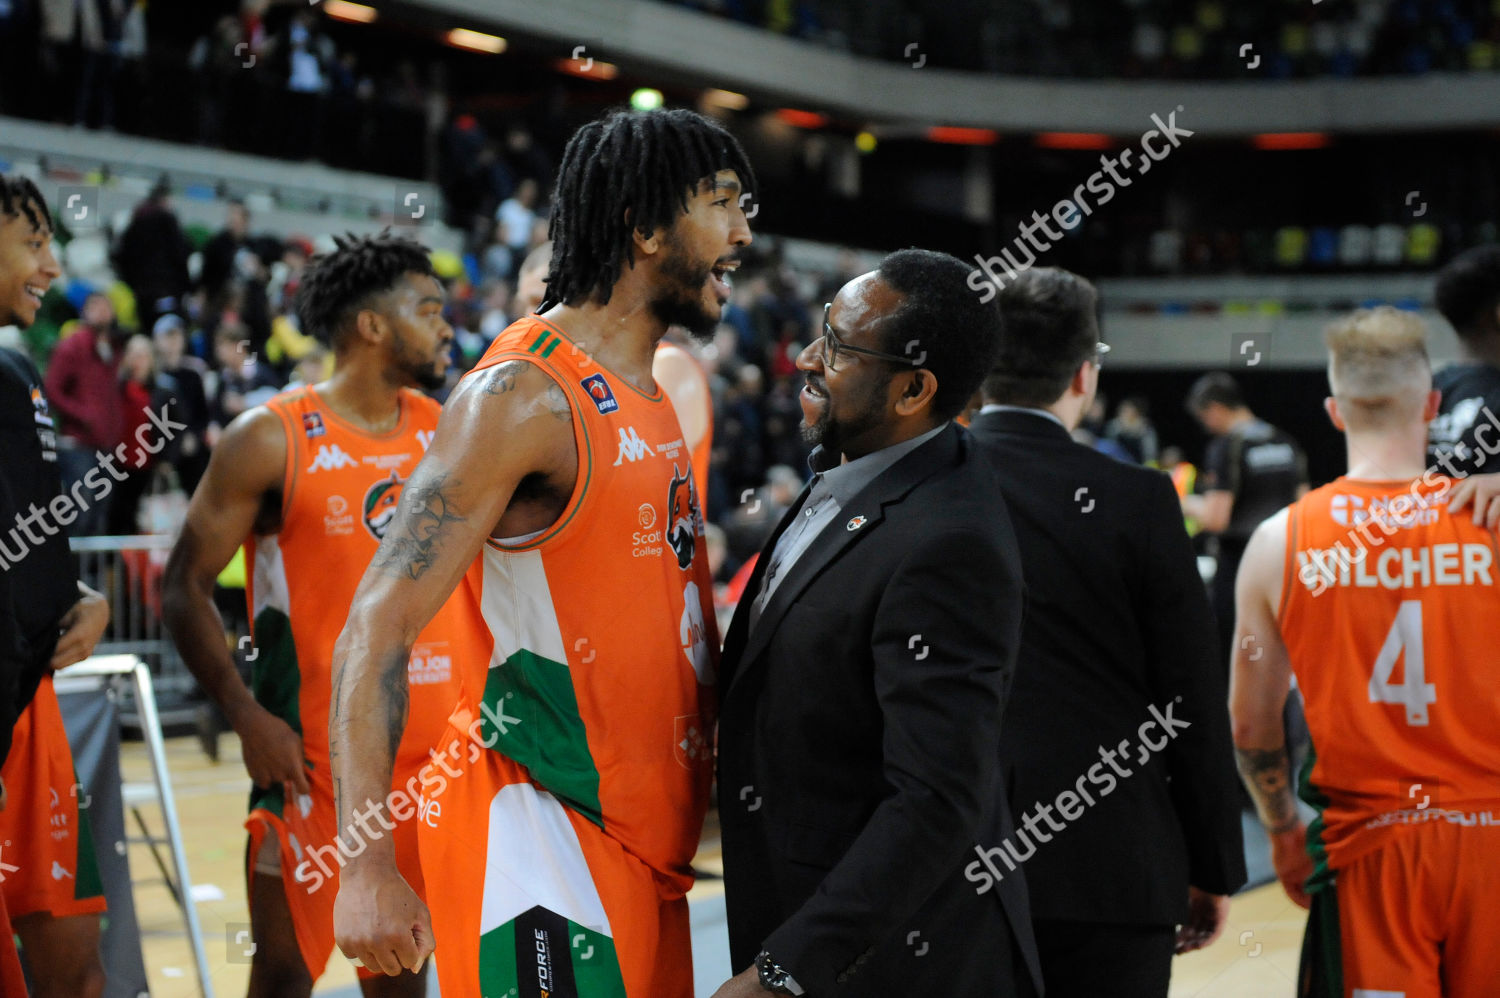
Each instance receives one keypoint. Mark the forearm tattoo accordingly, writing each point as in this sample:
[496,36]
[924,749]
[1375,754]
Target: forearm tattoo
[427,510]
[1265,773]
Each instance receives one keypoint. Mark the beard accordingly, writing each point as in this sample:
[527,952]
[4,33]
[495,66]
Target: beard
[412,367]
[679,302]
[833,430]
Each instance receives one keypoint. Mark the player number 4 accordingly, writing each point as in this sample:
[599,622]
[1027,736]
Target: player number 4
[1414,691]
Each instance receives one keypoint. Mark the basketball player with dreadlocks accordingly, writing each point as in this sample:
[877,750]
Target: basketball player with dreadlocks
[308,483]
[48,620]
[558,492]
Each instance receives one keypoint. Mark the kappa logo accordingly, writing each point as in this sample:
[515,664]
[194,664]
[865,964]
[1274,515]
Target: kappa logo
[632,447]
[380,504]
[331,457]
[601,393]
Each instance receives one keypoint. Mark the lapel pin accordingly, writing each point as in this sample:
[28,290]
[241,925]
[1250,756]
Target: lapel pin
[855,523]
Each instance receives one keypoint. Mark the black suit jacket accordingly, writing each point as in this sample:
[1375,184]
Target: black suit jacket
[1117,622]
[859,743]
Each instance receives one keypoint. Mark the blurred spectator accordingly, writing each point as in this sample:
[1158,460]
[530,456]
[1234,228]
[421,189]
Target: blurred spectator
[217,60]
[738,435]
[531,282]
[1133,431]
[473,178]
[152,257]
[17,41]
[141,396]
[244,379]
[1184,475]
[514,219]
[184,374]
[84,394]
[303,55]
[1250,471]
[1090,432]
[755,514]
[315,366]
[227,256]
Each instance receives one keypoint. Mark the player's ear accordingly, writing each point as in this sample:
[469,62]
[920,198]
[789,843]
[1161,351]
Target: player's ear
[646,243]
[369,327]
[1331,406]
[1434,401]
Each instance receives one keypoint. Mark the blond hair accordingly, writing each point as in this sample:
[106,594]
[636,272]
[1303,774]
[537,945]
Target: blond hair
[1377,366]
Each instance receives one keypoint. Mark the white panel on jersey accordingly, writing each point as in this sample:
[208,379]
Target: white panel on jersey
[517,606]
[270,588]
[534,858]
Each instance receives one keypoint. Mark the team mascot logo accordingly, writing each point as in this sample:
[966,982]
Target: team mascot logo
[682,516]
[380,504]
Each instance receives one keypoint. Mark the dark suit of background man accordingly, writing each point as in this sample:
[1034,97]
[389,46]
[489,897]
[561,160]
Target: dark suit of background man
[1118,646]
[866,670]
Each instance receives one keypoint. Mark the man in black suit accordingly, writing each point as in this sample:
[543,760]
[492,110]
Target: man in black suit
[1118,718]
[866,670]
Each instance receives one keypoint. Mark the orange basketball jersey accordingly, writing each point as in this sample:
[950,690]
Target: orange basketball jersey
[702,451]
[340,491]
[1389,612]
[599,631]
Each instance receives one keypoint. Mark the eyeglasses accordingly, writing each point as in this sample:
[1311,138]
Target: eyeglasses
[1100,350]
[833,346]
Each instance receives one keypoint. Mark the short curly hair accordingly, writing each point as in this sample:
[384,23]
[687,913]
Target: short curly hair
[20,197]
[941,317]
[338,285]
[1467,291]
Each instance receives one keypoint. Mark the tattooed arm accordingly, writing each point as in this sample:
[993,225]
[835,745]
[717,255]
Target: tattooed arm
[499,427]
[1259,681]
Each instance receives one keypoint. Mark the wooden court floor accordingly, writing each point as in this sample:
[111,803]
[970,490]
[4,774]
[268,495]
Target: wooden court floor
[1255,958]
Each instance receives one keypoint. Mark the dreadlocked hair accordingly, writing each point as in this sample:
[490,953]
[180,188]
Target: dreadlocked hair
[19,196]
[338,285]
[644,164]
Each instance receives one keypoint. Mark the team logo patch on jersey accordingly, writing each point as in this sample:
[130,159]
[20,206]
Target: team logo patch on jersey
[40,412]
[682,516]
[380,504]
[689,746]
[312,424]
[601,393]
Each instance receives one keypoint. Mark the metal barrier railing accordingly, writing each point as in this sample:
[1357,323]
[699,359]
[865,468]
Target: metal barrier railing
[128,570]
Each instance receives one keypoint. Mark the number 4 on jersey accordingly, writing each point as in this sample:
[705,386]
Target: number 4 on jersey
[1415,692]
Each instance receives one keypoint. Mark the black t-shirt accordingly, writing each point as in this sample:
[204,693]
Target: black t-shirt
[1467,427]
[39,583]
[1261,466]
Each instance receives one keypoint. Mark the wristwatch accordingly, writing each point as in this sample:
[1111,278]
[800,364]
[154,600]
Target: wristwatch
[774,978]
